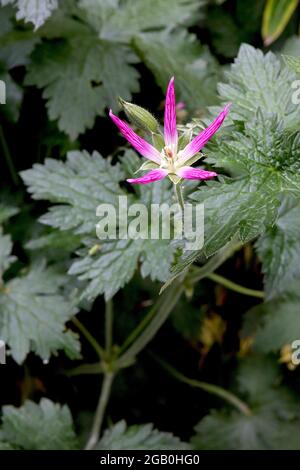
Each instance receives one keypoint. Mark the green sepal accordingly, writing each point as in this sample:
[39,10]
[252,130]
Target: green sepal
[174,178]
[148,165]
[139,116]
[184,139]
[193,159]
[158,141]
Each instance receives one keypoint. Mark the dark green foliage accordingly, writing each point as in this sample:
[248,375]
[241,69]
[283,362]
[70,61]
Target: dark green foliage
[76,311]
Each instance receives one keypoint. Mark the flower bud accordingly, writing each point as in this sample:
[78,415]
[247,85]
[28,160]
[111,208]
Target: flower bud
[139,116]
[94,249]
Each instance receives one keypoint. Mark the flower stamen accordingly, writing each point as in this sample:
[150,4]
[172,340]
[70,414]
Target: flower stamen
[168,152]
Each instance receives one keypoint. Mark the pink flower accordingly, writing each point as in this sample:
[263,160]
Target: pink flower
[170,160]
[180,105]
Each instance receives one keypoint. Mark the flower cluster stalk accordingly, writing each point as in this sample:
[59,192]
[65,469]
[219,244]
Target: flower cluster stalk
[108,378]
[100,411]
[207,387]
[143,334]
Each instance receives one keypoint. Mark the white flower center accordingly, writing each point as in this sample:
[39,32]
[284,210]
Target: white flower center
[168,159]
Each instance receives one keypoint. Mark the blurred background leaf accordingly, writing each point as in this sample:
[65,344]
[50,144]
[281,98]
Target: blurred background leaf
[277,14]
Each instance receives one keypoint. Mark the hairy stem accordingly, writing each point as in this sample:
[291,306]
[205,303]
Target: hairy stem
[214,262]
[108,326]
[7,156]
[141,326]
[150,325]
[100,411]
[107,380]
[89,337]
[83,369]
[207,387]
[179,195]
[235,287]
[167,303]
[198,273]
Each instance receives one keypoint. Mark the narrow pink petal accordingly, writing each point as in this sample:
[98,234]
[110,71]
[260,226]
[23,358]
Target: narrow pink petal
[150,177]
[198,142]
[143,147]
[170,129]
[190,173]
